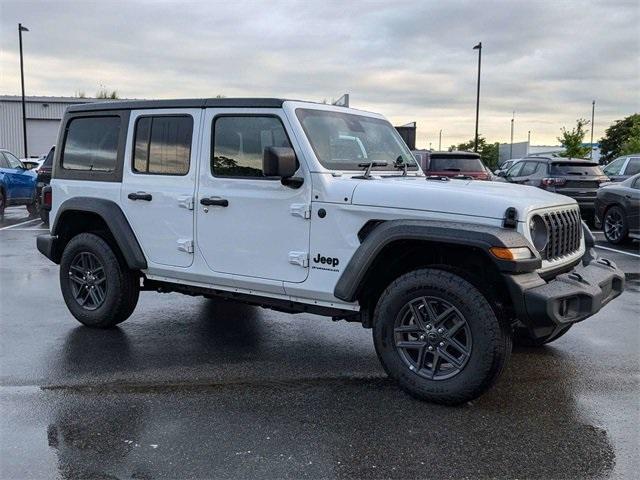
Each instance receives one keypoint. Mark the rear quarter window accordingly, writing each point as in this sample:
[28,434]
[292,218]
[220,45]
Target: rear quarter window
[91,144]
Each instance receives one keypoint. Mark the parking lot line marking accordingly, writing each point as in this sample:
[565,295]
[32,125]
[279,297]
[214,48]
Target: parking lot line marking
[618,251]
[21,223]
[29,229]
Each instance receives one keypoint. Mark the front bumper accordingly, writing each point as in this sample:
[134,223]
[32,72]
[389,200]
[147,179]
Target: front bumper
[543,306]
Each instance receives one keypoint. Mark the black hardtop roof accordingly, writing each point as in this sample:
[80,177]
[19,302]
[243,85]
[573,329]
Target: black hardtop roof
[180,103]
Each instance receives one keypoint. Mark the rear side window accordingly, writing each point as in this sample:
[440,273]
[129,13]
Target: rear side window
[633,166]
[576,169]
[162,145]
[239,143]
[91,144]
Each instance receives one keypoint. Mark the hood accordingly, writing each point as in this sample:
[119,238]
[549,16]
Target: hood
[461,197]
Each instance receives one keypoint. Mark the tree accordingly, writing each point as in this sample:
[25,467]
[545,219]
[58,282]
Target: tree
[632,145]
[573,139]
[488,151]
[103,93]
[620,134]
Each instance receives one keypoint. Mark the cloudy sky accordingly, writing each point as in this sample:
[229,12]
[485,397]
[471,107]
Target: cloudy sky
[410,60]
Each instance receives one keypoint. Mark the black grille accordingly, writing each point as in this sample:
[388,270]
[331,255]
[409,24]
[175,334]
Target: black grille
[565,232]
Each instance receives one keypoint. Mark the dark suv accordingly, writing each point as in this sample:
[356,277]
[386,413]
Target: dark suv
[456,164]
[574,177]
[44,178]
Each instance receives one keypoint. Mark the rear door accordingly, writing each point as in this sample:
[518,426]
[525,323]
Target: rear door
[633,206]
[158,183]
[22,183]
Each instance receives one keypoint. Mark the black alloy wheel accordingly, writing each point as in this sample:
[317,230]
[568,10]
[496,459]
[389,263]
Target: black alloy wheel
[433,338]
[615,225]
[88,280]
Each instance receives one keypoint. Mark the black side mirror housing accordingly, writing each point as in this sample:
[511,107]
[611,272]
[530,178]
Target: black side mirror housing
[281,162]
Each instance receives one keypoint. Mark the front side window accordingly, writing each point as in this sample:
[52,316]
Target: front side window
[528,169]
[162,145]
[515,170]
[614,167]
[13,161]
[3,161]
[343,141]
[91,144]
[239,143]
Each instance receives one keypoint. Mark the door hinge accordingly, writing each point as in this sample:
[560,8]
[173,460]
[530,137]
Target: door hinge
[186,201]
[185,245]
[299,258]
[302,210]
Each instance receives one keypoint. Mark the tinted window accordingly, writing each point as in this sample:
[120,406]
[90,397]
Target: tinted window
[614,167]
[456,164]
[91,144]
[636,184]
[163,145]
[3,161]
[515,170]
[574,168]
[633,166]
[528,168]
[48,162]
[239,142]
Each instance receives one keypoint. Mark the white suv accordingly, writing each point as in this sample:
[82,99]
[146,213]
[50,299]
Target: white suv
[305,207]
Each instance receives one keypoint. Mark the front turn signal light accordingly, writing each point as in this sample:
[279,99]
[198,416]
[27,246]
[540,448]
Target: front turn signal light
[518,253]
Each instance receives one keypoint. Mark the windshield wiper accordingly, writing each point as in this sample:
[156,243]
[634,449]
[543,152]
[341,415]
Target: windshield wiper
[368,166]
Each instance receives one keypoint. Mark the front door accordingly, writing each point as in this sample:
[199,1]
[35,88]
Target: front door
[249,224]
[158,183]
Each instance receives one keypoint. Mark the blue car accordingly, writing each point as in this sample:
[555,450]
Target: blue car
[17,184]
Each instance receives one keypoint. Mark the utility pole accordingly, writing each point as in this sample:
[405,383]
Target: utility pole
[440,141]
[528,141]
[511,147]
[479,48]
[593,112]
[24,109]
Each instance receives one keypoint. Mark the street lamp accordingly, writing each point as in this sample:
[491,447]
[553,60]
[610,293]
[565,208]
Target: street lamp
[479,48]
[24,110]
[593,112]
[511,147]
[440,141]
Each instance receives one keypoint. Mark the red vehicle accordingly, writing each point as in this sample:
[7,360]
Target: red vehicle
[456,164]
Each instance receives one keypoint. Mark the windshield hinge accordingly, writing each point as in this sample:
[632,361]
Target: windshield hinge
[299,258]
[302,210]
[185,245]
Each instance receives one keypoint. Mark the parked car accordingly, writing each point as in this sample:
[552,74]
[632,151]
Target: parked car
[17,184]
[456,164]
[44,178]
[618,210]
[259,200]
[623,167]
[505,166]
[575,178]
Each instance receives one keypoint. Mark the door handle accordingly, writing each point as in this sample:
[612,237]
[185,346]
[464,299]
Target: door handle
[220,202]
[140,196]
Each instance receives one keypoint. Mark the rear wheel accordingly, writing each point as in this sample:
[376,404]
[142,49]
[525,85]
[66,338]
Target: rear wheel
[439,338]
[33,208]
[2,203]
[615,225]
[98,288]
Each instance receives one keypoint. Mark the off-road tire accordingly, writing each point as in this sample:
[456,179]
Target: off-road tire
[491,337]
[122,284]
[522,338]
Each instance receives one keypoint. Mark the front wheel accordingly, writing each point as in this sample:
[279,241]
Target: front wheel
[615,225]
[439,338]
[98,288]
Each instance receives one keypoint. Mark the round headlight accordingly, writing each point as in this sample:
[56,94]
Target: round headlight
[539,232]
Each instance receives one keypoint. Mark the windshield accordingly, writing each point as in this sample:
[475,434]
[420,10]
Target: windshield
[343,141]
[453,164]
[577,169]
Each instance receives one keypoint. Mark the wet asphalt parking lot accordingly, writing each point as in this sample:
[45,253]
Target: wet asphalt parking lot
[192,388]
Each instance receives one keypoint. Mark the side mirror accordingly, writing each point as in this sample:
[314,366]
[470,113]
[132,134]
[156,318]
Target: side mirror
[501,173]
[281,162]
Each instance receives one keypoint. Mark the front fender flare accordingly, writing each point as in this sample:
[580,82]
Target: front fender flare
[453,233]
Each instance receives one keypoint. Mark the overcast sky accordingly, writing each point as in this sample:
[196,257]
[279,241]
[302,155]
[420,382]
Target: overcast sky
[410,60]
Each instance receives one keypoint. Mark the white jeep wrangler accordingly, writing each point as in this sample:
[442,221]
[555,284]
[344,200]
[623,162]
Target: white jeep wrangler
[305,207]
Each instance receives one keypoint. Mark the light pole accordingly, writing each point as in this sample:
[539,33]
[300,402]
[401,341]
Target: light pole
[528,141]
[24,110]
[479,48]
[511,147]
[440,141]
[593,112]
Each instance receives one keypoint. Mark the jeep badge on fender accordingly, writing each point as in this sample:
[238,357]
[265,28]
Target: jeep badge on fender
[447,274]
[334,262]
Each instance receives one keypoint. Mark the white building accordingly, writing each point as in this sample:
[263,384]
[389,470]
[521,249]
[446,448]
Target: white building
[43,119]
